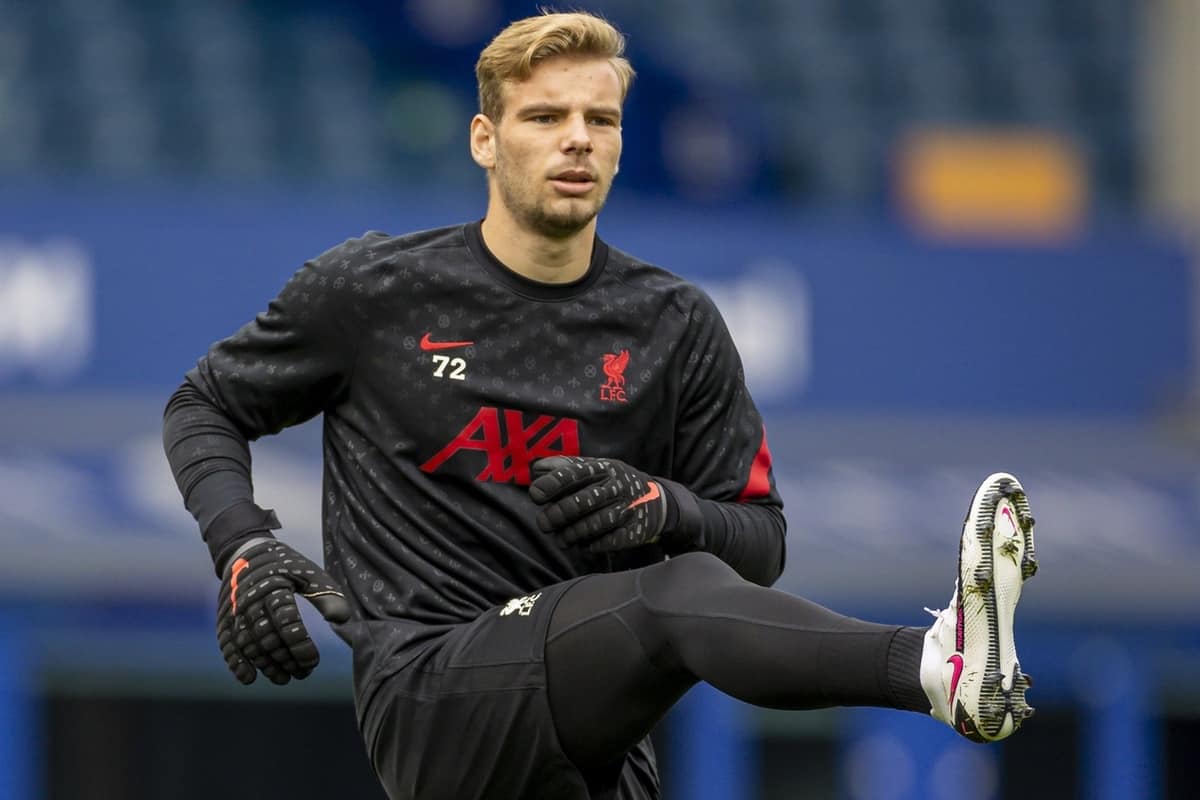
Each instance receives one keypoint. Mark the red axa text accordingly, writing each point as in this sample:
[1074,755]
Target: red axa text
[509,444]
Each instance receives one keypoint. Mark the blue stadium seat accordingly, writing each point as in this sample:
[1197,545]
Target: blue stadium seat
[263,88]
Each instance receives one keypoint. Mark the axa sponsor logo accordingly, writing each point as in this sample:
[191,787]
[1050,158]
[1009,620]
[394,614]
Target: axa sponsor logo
[509,444]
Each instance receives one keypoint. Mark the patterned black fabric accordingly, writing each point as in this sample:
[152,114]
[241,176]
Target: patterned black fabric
[442,376]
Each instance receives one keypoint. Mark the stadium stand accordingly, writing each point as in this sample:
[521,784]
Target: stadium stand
[822,90]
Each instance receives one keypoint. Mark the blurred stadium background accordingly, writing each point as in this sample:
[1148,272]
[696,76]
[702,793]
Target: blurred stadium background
[950,236]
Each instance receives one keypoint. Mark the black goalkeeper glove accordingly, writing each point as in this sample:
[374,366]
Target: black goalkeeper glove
[258,623]
[598,503]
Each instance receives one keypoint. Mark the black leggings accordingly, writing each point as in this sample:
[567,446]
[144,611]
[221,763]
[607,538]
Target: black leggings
[622,648]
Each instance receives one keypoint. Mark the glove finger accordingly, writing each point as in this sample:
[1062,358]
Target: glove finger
[575,507]
[247,642]
[331,604]
[254,593]
[273,647]
[568,475]
[273,664]
[223,597]
[281,666]
[619,539]
[292,647]
[228,625]
[596,524]
[542,466]
[276,674]
[241,669]
[303,656]
[556,485]
[247,645]
[319,588]
[276,625]
[255,638]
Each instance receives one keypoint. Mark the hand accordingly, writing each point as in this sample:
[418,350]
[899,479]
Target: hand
[598,503]
[258,624]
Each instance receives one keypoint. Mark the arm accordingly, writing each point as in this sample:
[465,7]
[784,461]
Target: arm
[747,536]
[724,487]
[290,363]
[287,365]
[210,459]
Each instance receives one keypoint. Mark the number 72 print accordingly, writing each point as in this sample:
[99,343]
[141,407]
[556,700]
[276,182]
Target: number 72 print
[458,368]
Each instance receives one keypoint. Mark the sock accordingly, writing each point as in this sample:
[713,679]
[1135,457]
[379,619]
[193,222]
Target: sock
[904,670]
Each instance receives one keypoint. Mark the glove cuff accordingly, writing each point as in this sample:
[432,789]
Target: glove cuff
[683,530]
[244,546]
[231,528]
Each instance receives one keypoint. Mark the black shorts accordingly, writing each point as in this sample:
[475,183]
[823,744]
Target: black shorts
[469,718]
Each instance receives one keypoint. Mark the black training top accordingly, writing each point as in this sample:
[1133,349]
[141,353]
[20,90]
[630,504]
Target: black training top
[442,374]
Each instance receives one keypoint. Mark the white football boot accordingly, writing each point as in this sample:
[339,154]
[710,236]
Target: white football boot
[969,667]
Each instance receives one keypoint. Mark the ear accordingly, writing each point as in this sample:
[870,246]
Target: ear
[483,141]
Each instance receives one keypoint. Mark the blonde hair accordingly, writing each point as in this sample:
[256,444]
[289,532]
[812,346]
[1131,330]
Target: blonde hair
[517,49]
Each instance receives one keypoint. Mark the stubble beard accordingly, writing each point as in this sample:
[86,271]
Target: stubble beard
[538,215]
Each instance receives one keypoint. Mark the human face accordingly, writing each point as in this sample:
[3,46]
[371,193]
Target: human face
[552,155]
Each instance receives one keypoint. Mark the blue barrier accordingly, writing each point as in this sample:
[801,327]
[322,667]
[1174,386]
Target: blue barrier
[711,755]
[890,755]
[19,728]
[1123,751]
[874,318]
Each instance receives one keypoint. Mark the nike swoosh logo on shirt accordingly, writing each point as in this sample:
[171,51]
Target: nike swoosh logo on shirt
[652,494]
[426,344]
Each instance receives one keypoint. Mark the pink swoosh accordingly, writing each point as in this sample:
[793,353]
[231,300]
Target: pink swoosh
[957,661]
[1006,511]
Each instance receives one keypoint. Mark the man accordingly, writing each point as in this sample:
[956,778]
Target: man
[548,507]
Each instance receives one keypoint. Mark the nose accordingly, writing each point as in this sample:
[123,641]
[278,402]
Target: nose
[577,138]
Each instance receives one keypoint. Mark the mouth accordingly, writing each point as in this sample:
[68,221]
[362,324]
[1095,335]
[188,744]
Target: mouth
[573,181]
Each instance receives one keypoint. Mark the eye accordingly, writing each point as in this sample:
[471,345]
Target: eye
[608,122]
[543,119]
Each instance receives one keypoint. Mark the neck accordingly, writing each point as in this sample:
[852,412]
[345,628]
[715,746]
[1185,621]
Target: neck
[534,255]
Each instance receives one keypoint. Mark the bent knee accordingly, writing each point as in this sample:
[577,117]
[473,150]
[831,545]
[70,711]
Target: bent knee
[699,566]
[672,584]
